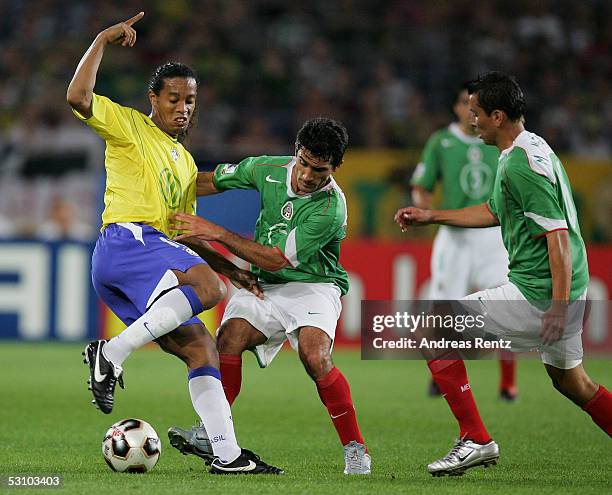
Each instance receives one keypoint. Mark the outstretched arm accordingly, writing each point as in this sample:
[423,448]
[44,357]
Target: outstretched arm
[266,258]
[242,279]
[80,89]
[478,216]
[205,185]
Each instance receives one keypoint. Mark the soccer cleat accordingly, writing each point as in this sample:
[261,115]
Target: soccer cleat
[356,460]
[465,454]
[508,394]
[103,376]
[194,441]
[247,463]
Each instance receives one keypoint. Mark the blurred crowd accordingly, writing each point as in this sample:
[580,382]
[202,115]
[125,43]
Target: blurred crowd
[387,69]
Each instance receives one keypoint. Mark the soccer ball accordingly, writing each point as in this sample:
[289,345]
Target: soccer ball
[131,446]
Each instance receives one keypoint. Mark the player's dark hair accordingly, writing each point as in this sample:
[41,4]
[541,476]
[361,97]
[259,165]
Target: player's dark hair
[168,71]
[459,88]
[499,91]
[326,139]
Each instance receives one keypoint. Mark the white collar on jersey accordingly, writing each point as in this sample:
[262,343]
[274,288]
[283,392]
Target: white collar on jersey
[456,131]
[290,192]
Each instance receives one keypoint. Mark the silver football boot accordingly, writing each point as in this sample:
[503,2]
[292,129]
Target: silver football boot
[465,454]
[193,441]
[356,461]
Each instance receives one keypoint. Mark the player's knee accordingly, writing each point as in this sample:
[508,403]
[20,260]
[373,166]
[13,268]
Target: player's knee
[317,363]
[231,340]
[211,294]
[577,387]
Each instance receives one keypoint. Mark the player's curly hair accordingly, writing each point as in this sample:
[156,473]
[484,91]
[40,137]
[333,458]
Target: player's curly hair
[499,91]
[167,71]
[325,138]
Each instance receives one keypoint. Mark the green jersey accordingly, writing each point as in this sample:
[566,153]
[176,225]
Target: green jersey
[464,165]
[531,197]
[307,230]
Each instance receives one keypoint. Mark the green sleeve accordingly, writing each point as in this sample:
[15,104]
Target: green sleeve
[303,241]
[236,175]
[428,169]
[492,207]
[537,196]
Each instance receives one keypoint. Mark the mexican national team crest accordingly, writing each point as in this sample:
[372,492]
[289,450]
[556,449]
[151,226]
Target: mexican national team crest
[174,154]
[287,210]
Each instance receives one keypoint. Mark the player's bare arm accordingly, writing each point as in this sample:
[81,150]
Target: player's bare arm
[477,216]
[80,89]
[242,279]
[421,197]
[267,258]
[560,261]
[205,185]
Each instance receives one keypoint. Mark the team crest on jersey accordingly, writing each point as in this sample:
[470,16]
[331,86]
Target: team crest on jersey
[287,210]
[228,168]
[174,154]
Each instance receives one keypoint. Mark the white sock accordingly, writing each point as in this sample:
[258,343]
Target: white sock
[211,405]
[164,315]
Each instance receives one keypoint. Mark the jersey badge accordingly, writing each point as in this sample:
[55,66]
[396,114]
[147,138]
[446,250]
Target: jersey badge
[229,168]
[174,154]
[287,210]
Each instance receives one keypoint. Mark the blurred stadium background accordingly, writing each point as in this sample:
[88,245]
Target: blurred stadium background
[387,69]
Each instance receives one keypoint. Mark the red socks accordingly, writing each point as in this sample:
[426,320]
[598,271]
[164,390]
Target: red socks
[451,378]
[600,409]
[335,394]
[507,367]
[231,375]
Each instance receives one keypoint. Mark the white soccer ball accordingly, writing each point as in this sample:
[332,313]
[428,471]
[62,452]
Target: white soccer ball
[131,446]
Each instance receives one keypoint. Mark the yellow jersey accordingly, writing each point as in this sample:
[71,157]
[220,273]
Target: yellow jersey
[149,174]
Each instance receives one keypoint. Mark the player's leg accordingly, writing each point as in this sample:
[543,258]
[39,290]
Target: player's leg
[314,348]
[450,273]
[508,390]
[489,268]
[141,265]
[578,387]
[193,291]
[234,337]
[474,446]
[195,347]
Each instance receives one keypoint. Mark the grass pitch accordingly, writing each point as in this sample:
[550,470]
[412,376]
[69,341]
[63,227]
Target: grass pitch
[48,427]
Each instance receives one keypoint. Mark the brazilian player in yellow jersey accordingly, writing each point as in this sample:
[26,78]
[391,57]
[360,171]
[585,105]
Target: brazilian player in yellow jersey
[154,285]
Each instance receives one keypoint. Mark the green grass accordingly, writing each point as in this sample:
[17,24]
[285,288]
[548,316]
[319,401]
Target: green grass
[48,426]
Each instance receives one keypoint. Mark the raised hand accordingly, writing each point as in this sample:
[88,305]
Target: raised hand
[122,33]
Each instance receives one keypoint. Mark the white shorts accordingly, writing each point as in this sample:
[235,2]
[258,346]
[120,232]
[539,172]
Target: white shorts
[521,323]
[284,309]
[464,260]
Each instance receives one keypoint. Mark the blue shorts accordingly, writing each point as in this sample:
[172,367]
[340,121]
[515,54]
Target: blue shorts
[131,268]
